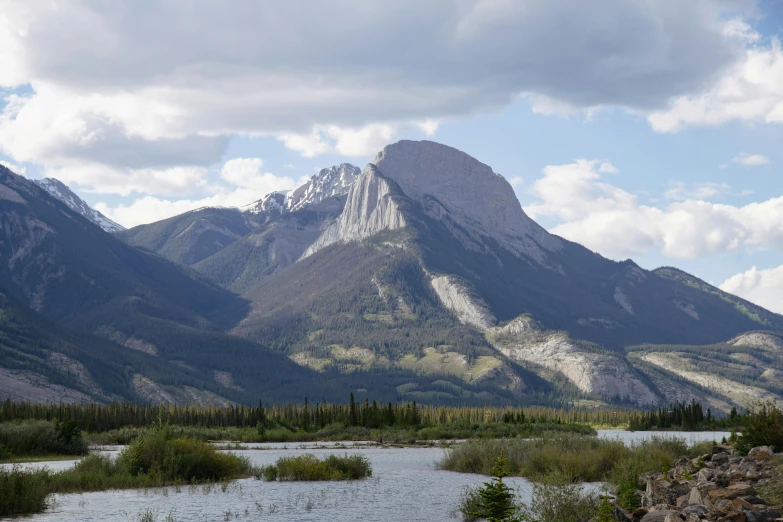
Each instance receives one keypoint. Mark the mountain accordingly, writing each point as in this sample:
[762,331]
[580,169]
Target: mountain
[190,237]
[43,362]
[59,270]
[61,191]
[419,278]
[93,318]
[328,183]
[234,248]
[433,258]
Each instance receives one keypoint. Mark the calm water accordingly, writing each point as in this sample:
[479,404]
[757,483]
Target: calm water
[405,486]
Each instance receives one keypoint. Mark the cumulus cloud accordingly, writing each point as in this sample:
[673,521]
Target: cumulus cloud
[615,223]
[247,173]
[763,287]
[242,181]
[342,141]
[751,91]
[750,160]
[101,86]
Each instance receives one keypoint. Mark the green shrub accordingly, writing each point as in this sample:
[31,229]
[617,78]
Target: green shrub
[578,456]
[40,438]
[310,467]
[23,492]
[556,499]
[188,460]
[763,426]
[152,460]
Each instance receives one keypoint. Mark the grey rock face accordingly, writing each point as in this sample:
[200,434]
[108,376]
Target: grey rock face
[329,182]
[442,178]
[371,208]
[595,372]
[469,310]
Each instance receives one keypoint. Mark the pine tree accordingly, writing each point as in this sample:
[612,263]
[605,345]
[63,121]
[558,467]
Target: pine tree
[497,499]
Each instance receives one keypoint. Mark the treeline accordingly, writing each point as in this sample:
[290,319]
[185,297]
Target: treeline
[683,416]
[305,416]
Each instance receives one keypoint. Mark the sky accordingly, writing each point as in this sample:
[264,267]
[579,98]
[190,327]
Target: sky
[643,129]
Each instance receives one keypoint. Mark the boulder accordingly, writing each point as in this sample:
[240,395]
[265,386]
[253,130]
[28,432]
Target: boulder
[760,453]
[661,516]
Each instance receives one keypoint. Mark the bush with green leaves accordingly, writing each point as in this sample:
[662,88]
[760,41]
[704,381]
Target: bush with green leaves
[23,491]
[557,499]
[33,438]
[763,426]
[310,467]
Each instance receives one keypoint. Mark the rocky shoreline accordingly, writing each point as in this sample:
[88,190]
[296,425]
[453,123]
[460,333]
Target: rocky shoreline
[721,486]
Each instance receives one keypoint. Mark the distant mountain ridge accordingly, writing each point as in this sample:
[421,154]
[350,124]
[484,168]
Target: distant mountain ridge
[419,277]
[327,183]
[62,192]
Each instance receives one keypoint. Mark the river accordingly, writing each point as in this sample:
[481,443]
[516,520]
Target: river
[406,486]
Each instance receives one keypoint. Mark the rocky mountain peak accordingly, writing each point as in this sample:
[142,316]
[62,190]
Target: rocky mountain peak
[330,182]
[60,191]
[445,180]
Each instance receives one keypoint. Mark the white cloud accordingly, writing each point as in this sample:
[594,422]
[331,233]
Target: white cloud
[242,181]
[98,74]
[516,181]
[13,167]
[429,127]
[750,91]
[247,173]
[613,222]
[750,160]
[342,141]
[148,209]
[97,178]
[762,287]
[680,191]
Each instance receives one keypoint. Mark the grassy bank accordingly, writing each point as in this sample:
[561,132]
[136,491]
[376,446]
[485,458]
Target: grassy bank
[154,460]
[342,433]
[310,467]
[578,457]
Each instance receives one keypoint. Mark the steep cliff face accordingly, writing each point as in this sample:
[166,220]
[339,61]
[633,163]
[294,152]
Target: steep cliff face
[373,206]
[591,369]
[447,181]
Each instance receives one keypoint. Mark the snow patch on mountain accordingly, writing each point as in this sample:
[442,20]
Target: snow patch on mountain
[60,191]
[329,182]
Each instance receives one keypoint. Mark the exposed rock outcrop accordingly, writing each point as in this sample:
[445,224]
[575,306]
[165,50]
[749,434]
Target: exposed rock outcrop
[478,199]
[718,486]
[591,369]
[764,340]
[739,393]
[372,207]
[456,297]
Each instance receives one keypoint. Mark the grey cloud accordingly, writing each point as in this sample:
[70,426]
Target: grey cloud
[635,53]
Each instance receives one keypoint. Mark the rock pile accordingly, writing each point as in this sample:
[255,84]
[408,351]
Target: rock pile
[720,486]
